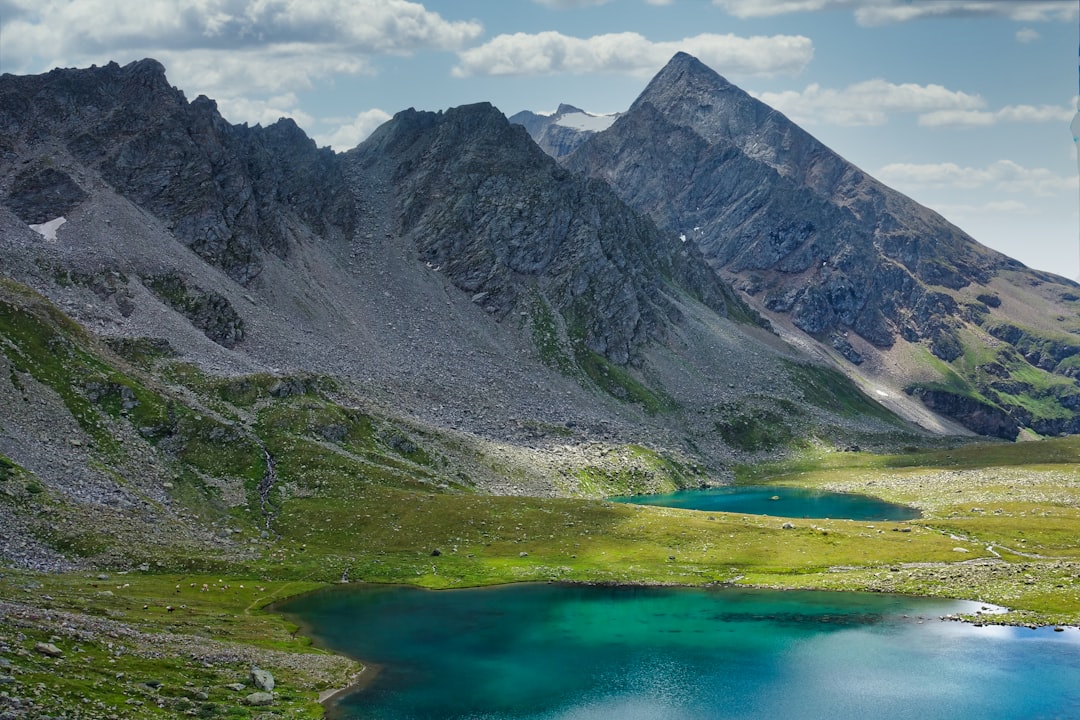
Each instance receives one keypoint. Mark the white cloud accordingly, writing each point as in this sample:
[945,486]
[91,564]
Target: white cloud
[315,34]
[550,53]
[222,74]
[1007,114]
[1027,35]
[880,12]
[570,3]
[995,207]
[868,102]
[264,111]
[351,133]
[1003,175]
[252,56]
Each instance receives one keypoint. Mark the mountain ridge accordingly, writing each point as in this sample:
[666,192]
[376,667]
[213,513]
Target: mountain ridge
[446,266]
[884,286]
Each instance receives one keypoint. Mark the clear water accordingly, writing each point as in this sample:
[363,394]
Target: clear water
[547,652]
[779,502]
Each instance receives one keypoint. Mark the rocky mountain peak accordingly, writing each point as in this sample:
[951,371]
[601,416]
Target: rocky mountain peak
[129,125]
[690,93]
[488,209]
[820,244]
[563,131]
[684,77]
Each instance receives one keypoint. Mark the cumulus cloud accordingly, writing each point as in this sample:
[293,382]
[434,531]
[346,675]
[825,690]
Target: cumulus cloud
[1027,35]
[222,74]
[551,53]
[994,207]
[1003,175]
[570,3]
[294,40]
[1007,114]
[868,102]
[264,111]
[880,12]
[352,132]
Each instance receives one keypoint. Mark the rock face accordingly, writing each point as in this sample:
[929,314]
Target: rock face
[228,192]
[445,260]
[560,133]
[817,243]
[488,209]
[827,244]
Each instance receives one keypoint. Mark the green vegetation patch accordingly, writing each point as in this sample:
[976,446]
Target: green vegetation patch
[141,350]
[144,646]
[1016,505]
[546,339]
[637,470]
[833,391]
[619,383]
[753,428]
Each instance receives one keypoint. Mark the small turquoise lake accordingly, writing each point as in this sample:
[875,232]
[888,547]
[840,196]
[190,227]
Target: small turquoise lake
[778,501]
[568,652]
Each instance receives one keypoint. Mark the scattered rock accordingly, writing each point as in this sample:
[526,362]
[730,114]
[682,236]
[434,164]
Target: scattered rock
[259,699]
[48,649]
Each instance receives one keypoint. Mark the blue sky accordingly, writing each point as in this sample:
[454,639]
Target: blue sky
[962,104]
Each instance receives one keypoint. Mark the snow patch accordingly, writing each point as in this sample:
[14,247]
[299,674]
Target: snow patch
[48,230]
[586,121]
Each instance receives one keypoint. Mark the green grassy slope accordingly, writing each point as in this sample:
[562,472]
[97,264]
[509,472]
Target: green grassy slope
[278,485]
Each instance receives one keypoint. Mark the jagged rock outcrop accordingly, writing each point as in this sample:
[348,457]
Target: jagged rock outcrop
[209,311]
[561,132]
[229,192]
[498,217]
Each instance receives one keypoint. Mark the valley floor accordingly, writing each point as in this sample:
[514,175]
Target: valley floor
[1000,525]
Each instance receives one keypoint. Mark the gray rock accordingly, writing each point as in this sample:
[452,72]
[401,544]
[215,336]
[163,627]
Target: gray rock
[48,649]
[262,679]
[259,699]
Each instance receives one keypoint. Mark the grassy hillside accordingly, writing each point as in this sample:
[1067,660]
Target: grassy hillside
[217,496]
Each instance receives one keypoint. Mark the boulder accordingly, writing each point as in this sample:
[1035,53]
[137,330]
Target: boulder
[262,679]
[48,649]
[259,699]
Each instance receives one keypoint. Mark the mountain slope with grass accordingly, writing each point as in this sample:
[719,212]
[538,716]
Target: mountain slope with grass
[895,294]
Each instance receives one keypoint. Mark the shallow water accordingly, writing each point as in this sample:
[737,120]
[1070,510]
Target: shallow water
[779,502]
[547,652]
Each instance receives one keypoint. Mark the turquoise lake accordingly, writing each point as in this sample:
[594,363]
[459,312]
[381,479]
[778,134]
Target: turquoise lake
[779,502]
[567,652]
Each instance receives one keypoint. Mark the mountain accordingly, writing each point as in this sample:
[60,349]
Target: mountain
[561,132]
[236,367]
[197,318]
[895,294]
